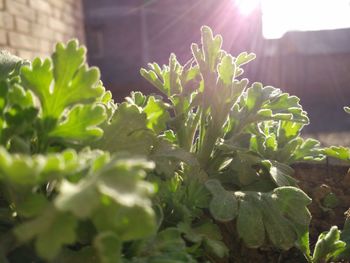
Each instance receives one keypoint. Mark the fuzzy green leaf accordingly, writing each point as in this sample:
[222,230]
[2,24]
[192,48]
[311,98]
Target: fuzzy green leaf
[223,206]
[165,247]
[51,230]
[127,131]
[61,83]
[73,81]
[338,152]
[226,69]
[8,63]
[328,243]
[81,124]
[280,214]
[157,115]
[115,197]
[244,58]
[250,225]
[31,170]
[271,103]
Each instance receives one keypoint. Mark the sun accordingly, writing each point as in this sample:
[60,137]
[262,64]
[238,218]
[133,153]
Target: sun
[246,7]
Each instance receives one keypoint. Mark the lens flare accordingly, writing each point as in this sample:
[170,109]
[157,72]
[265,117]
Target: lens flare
[246,7]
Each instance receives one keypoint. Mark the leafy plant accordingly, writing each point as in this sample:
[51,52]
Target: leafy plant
[244,138]
[190,175]
[331,246]
[67,200]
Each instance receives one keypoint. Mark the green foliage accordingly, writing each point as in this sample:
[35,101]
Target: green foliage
[338,152]
[278,213]
[9,65]
[127,131]
[328,245]
[65,201]
[167,246]
[244,138]
[333,245]
[66,95]
[152,179]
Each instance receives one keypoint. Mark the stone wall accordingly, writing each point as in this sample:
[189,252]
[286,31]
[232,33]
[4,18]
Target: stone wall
[30,28]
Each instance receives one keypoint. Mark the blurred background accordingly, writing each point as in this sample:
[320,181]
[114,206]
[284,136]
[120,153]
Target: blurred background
[302,47]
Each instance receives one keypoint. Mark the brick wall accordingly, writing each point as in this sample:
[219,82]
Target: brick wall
[30,28]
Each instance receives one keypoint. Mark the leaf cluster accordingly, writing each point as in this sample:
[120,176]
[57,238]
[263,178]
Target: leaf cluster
[189,175]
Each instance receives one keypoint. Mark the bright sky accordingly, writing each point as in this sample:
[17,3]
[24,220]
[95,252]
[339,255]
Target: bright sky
[280,16]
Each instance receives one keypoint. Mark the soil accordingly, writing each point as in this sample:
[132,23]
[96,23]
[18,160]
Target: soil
[320,181]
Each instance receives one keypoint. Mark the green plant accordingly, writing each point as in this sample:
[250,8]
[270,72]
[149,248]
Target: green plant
[188,177]
[55,190]
[332,245]
[244,138]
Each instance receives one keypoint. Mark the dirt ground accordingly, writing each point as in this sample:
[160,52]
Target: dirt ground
[329,187]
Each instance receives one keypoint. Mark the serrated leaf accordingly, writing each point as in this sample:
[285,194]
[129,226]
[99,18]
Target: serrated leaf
[244,58]
[17,117]
[26,170]
[309,149]
[280,231]
[223,206]
[18,96]
[243,165]
[271,104]
[250,225]
[205,230]
[157,115]
[81,124]
[8,63]
[168,156]
[211,47]
[63,82]
[152,77]
[81,199]
[137,98]
[281,214]
[115,197]
[292,202]
[205,234]
[338,152]
[165,247]
[127,132]
[51,231]
[280,141]
[289,130]
[226,69]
